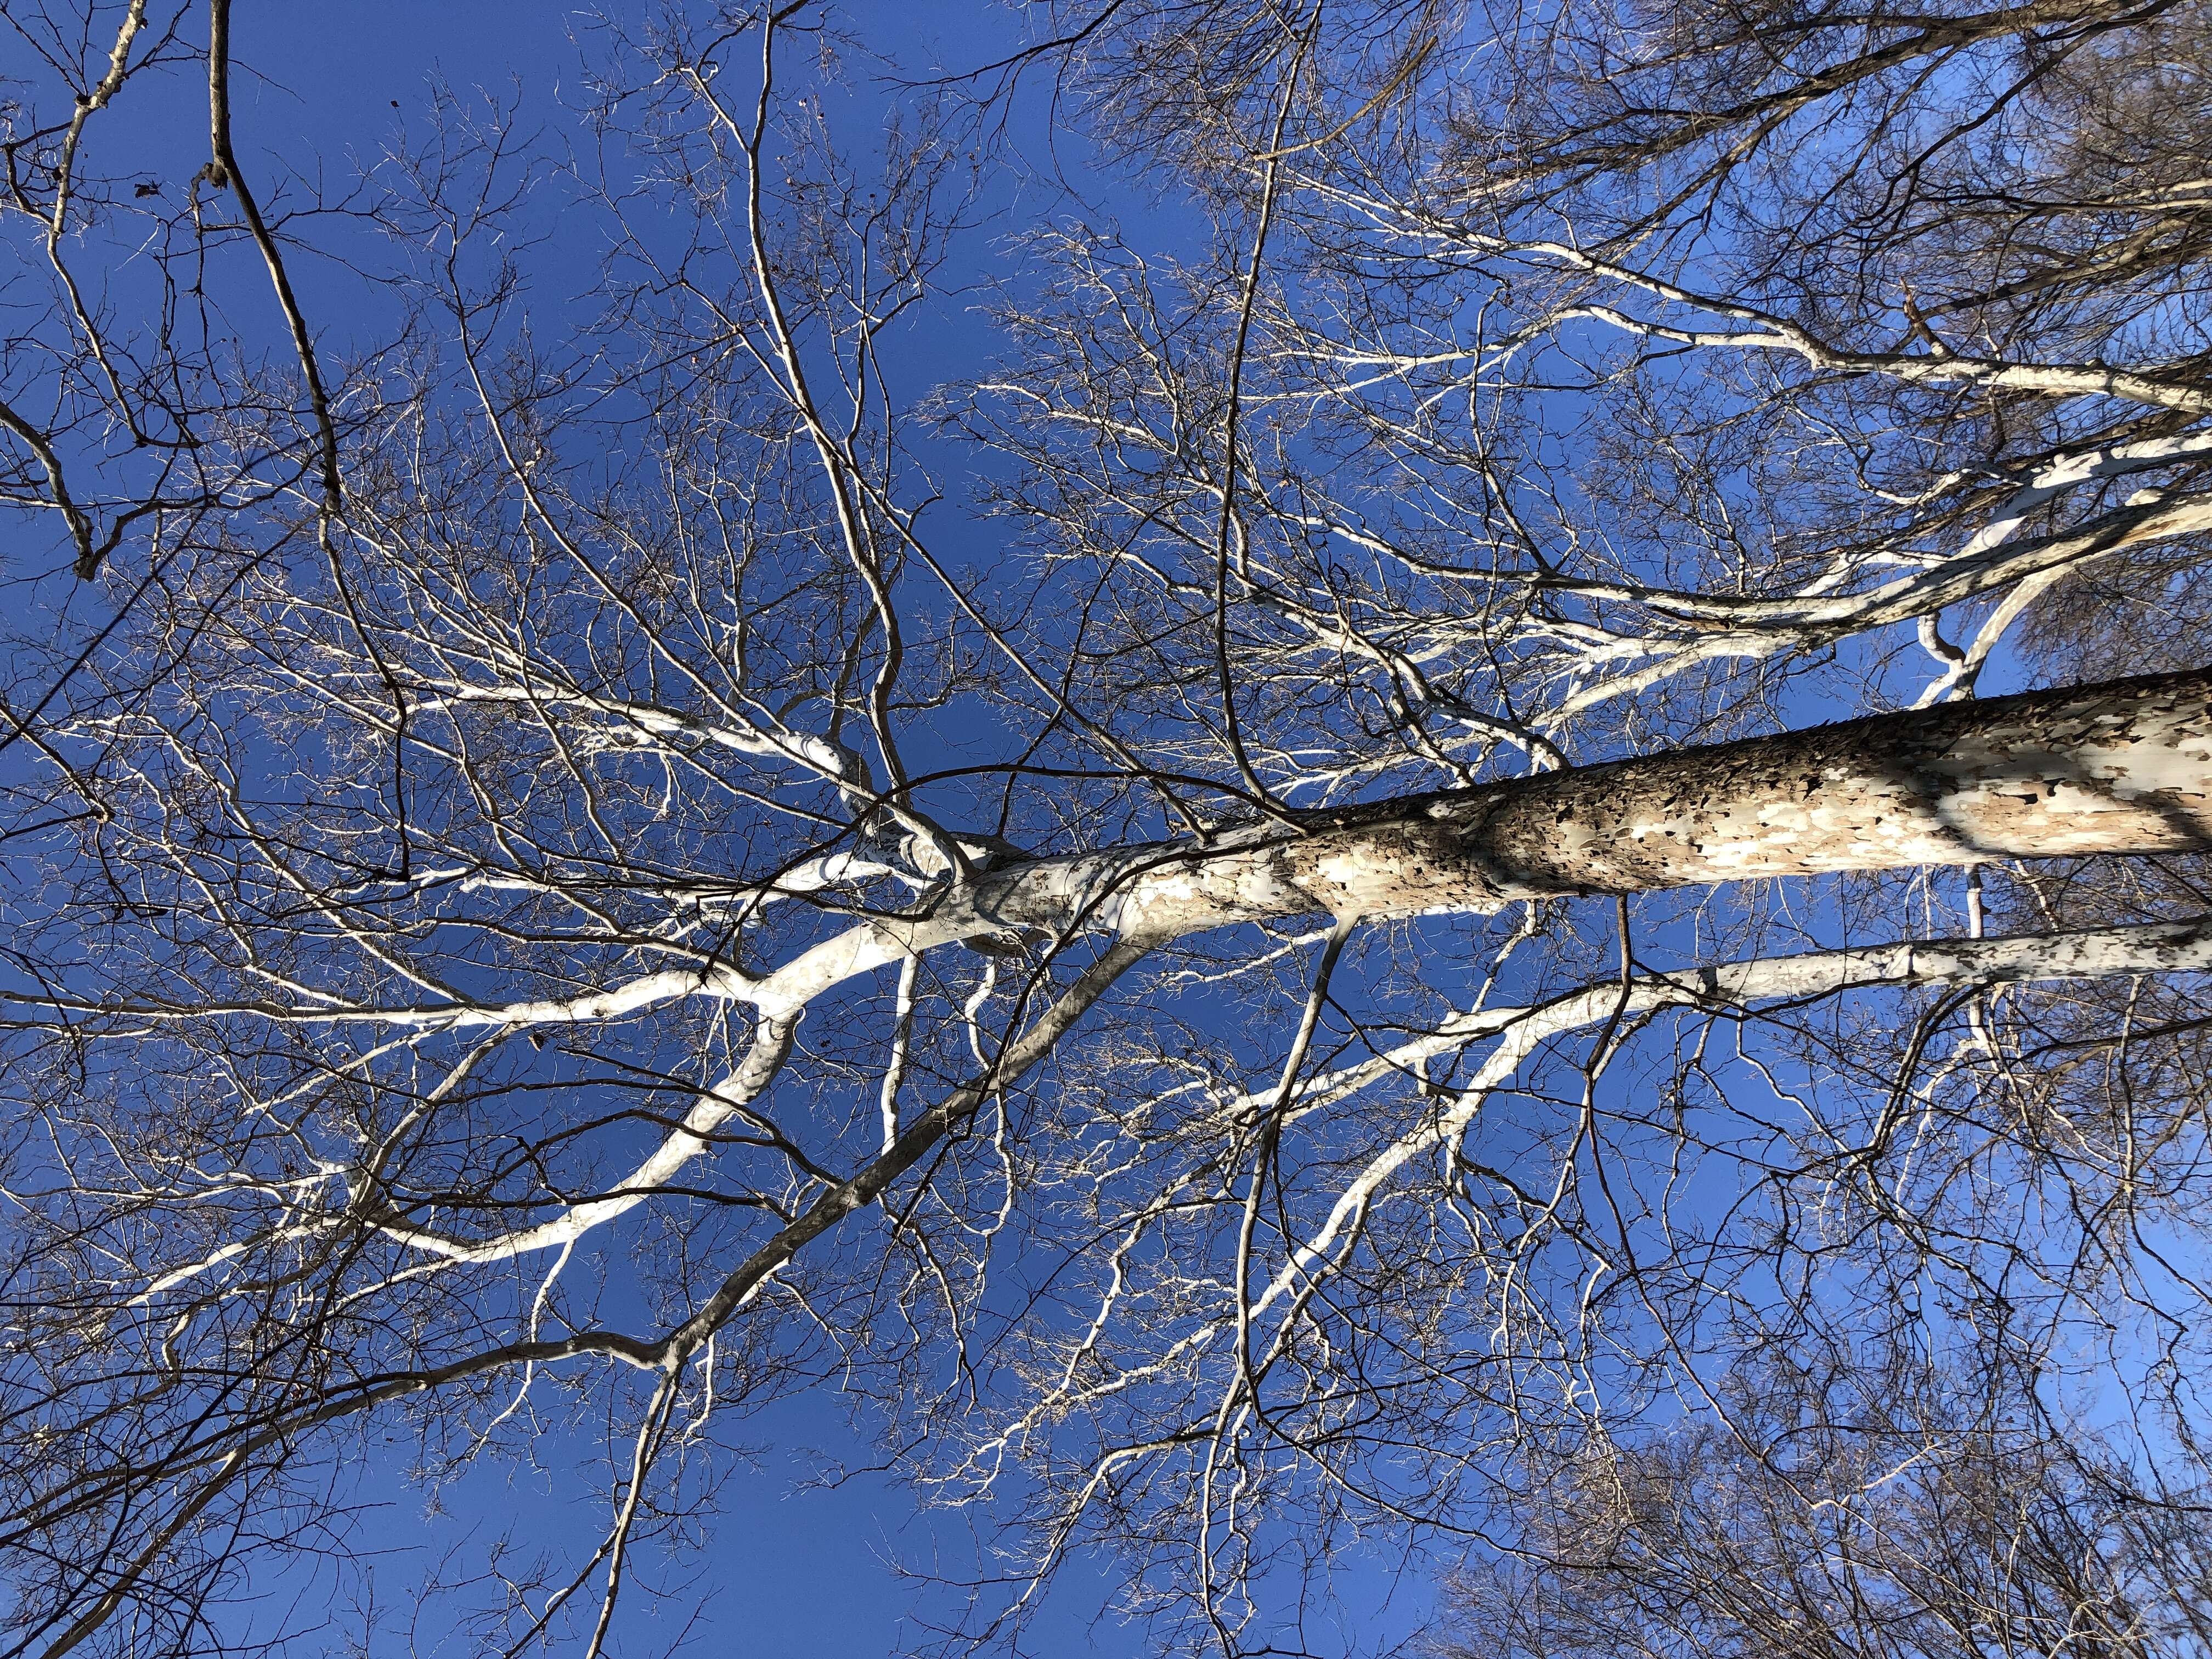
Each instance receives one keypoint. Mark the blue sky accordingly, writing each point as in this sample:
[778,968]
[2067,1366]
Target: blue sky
[322,90]
[785,1565]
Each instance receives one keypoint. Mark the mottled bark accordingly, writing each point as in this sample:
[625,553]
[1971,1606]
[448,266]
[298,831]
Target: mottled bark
[2120,768]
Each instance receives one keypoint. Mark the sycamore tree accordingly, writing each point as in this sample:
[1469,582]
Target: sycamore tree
[1491,849]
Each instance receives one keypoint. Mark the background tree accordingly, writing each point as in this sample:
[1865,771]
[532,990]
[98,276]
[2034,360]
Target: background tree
[1256,1014]
[1904,1518]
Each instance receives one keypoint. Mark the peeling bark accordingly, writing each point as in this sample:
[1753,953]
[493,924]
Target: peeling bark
[2116,769]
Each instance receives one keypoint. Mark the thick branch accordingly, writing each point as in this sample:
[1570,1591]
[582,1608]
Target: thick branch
[2117,768]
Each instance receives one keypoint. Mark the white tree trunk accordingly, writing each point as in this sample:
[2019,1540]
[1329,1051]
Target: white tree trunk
[2121,768]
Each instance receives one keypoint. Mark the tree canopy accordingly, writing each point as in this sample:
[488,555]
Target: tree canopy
[1398,777]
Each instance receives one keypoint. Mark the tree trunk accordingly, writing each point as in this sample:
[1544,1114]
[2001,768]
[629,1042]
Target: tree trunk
[2120,768]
